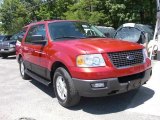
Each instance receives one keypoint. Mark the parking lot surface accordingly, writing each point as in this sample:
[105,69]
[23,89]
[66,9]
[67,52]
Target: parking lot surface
[20,99]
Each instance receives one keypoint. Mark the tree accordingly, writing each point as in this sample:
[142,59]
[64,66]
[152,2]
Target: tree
[122,11]
[14,14]
[85,10]
[53,9]
[113,12]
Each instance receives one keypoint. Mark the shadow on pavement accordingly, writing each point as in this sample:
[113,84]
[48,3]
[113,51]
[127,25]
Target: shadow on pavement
[10,58]
[46,89]
[106,105]
[116,103]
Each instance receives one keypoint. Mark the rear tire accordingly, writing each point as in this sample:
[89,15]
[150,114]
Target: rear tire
[22,69]
[64,89]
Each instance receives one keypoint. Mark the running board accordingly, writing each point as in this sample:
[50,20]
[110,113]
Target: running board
[37,78]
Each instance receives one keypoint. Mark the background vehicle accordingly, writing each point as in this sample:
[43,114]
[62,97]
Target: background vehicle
[4,44]
[19,39]
[134,33]
[156,49]
[80,64]
[8,46]
[107,31]
[137,33]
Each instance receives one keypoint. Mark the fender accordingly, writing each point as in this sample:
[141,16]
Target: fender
[63,58]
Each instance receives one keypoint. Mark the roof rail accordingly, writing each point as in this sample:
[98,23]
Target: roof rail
[52,19]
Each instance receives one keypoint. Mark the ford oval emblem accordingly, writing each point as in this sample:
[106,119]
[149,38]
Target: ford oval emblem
[130,57]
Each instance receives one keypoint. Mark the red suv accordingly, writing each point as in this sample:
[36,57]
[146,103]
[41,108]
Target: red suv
[79,61]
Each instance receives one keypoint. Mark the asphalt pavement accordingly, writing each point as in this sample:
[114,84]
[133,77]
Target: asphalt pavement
[29,100]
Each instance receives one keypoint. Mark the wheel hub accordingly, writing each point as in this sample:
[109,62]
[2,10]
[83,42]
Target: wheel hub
[61,87]
[22,68]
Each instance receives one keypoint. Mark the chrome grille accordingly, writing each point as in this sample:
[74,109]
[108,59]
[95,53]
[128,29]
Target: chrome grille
[4,46]
[126,58]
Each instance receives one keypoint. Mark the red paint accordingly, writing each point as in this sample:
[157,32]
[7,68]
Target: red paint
[67,51]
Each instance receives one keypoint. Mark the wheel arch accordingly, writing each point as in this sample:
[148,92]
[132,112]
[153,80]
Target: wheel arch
[56,65]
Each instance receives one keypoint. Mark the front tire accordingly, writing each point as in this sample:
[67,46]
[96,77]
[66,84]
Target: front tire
[64,89]
[22,69]
[4,56]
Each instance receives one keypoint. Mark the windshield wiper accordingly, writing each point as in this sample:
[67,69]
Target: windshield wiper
[74,37]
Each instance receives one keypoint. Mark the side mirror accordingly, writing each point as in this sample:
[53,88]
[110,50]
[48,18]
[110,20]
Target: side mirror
[38,39]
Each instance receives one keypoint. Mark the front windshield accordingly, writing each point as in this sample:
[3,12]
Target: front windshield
[128,34]
[14,37]
[7,38]
[73,30]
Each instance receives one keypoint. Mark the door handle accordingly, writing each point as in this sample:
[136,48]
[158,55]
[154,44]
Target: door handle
[39,52]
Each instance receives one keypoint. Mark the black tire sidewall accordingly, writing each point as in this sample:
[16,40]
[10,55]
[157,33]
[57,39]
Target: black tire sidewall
[21,61]
[4,56]
[57,74]
[25,76]
[69,86]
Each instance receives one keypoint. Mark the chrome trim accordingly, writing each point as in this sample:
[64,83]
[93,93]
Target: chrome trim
[128,66]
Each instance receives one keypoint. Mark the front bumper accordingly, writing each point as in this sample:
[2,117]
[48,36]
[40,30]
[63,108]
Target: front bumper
[9,51]
[112,85]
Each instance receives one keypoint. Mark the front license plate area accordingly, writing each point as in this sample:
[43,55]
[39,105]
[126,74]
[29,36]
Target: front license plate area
[134,84]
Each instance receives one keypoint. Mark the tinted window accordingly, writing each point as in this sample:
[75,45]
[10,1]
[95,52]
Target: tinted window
[1,38]
[129,34]
[6,38]
[21,34]
[107,31]
[14,37]
[36,30]
[73,30]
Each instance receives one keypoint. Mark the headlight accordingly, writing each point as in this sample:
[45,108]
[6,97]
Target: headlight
[92,60]
[11,45]
[145,54]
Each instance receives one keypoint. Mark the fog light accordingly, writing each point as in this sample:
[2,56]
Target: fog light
[98,85]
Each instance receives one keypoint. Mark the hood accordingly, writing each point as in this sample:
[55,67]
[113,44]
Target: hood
[9,42]
[4,45]
[102,45]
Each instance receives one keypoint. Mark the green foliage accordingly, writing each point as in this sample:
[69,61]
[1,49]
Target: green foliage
[53,9]
[85,10]
[14,14]
[113,12]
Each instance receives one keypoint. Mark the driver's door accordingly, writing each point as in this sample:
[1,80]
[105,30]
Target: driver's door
[38,54]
